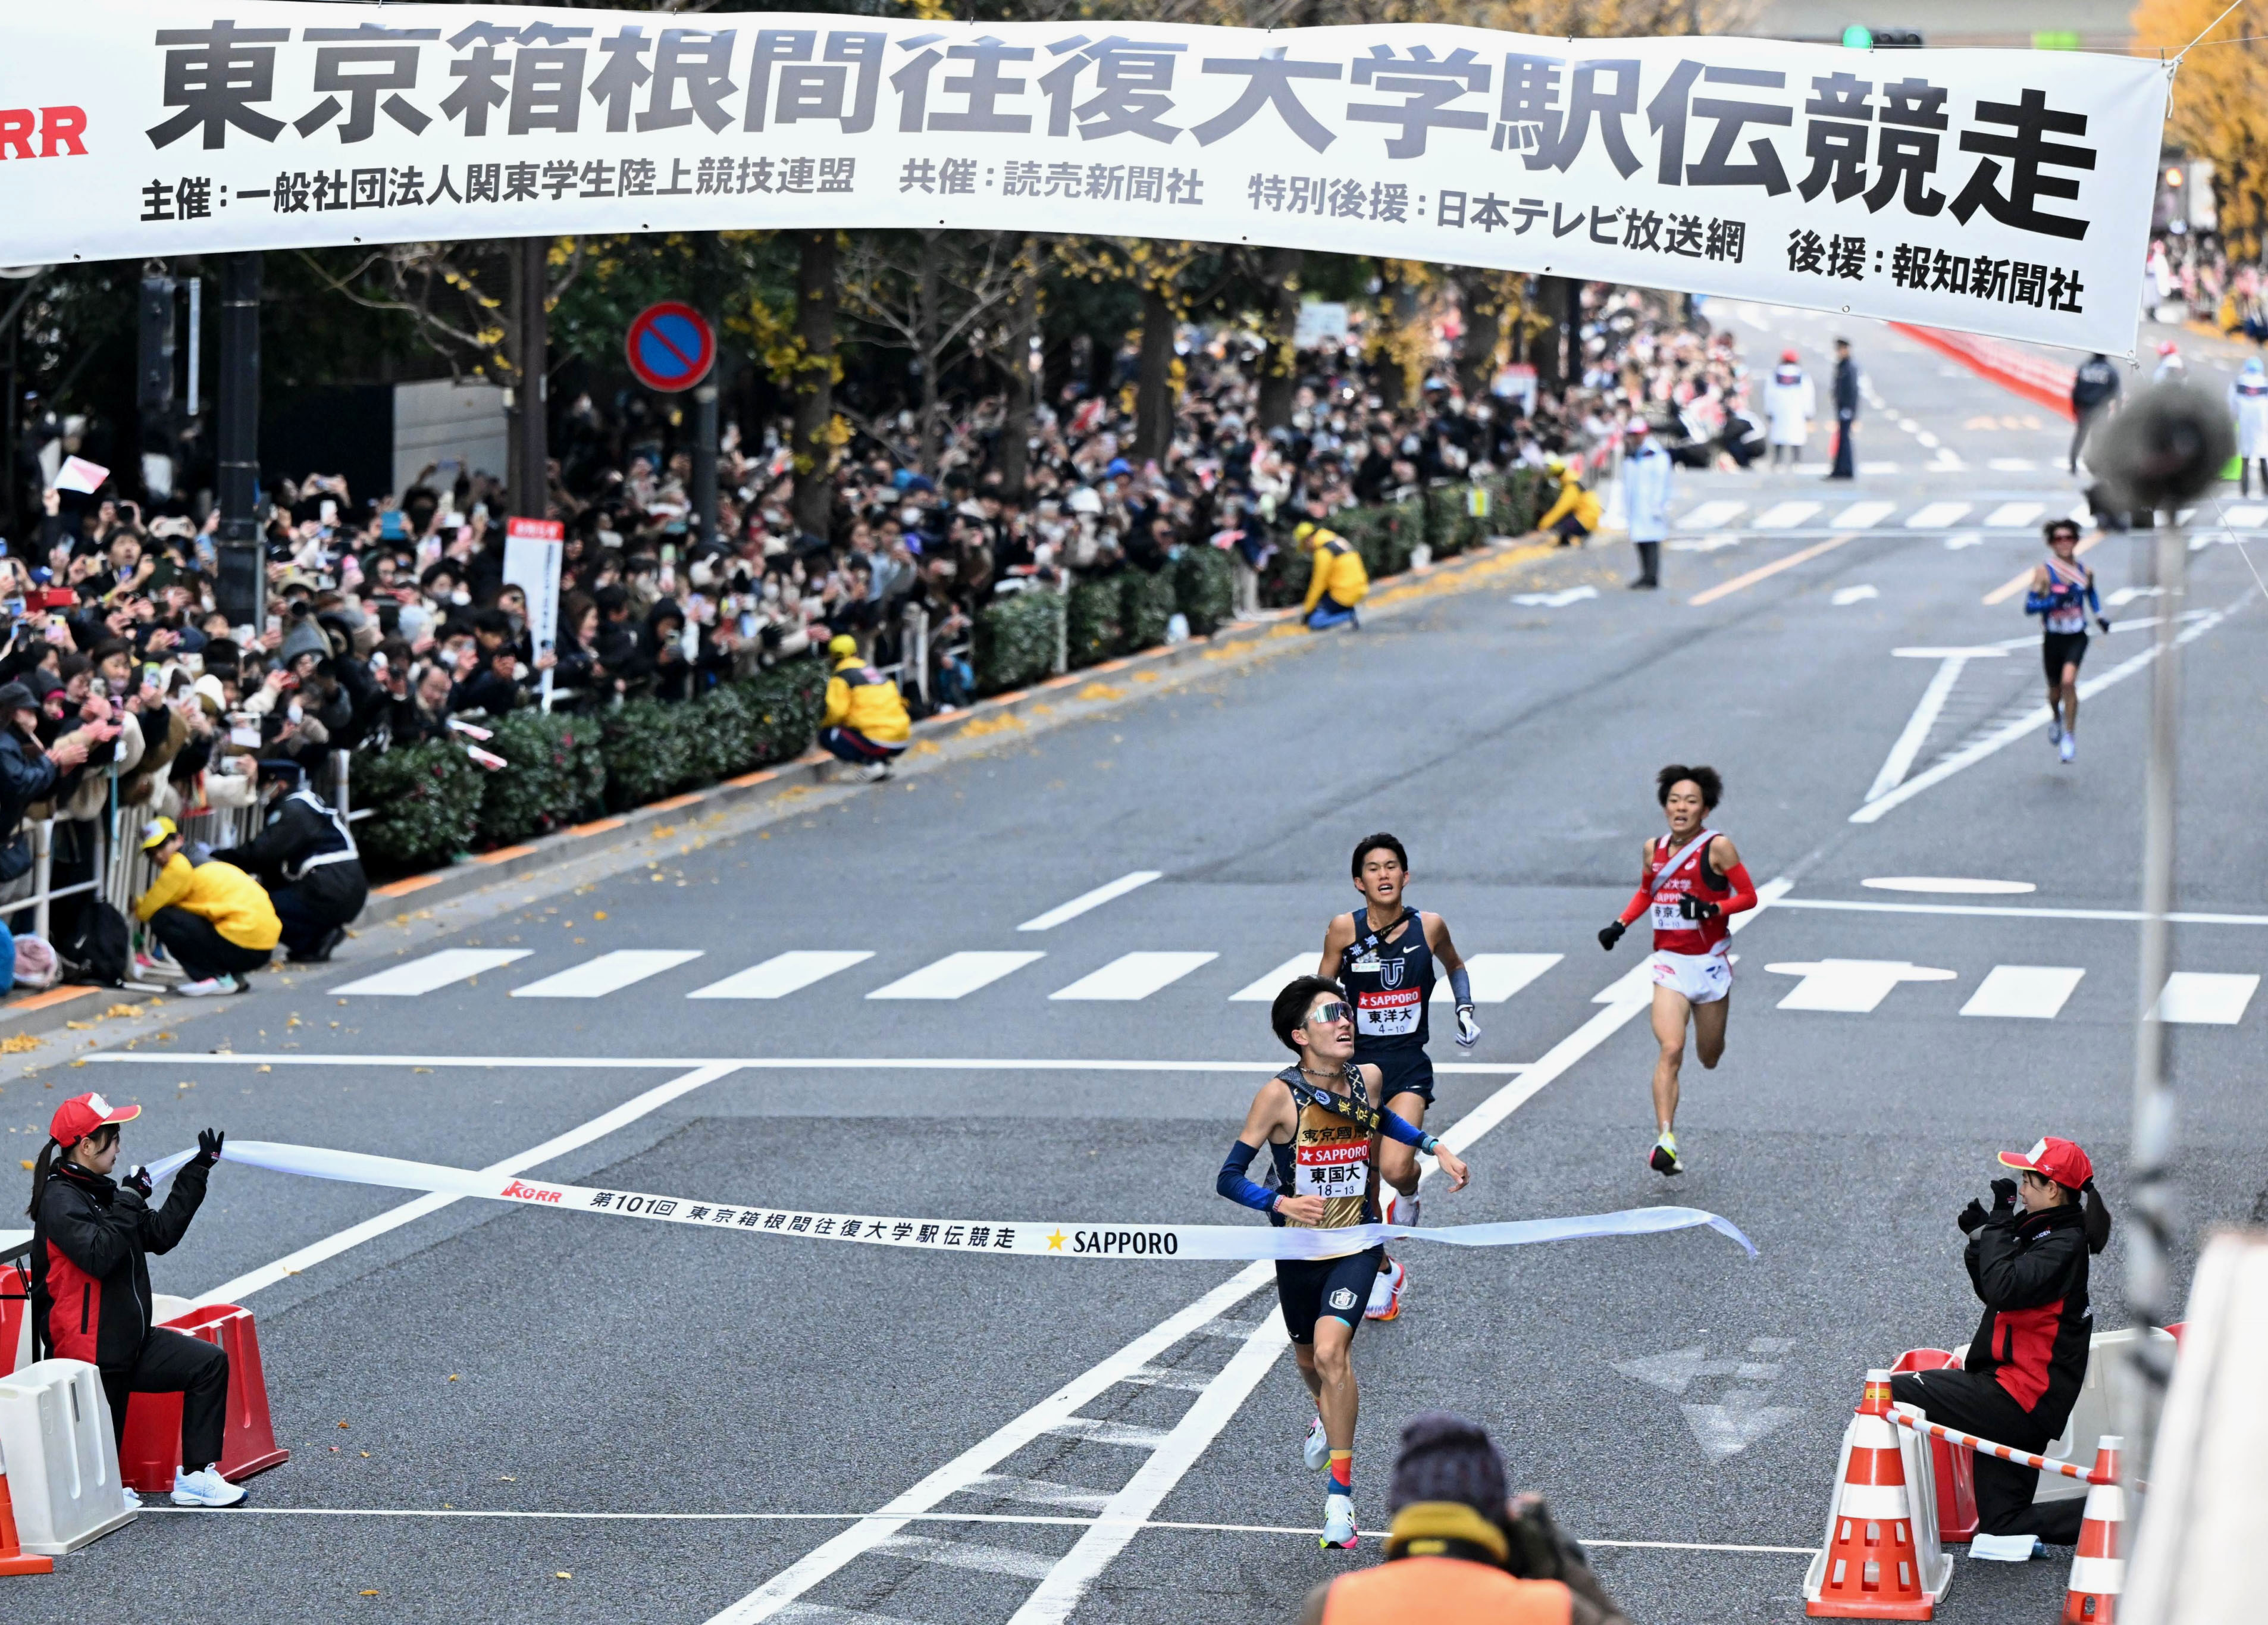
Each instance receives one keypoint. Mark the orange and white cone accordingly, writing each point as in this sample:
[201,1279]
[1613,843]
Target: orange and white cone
[1870,1569]
[2098,1569]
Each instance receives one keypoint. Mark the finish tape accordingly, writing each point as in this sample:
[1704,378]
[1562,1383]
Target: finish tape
[1064,1239]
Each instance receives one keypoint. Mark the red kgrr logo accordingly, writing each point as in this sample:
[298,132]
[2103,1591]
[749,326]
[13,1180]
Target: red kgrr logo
[58,130]
[530,1192]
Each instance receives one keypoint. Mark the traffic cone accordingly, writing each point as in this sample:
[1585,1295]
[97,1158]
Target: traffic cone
[2098,1572]
[1870,1569]
[13,1560]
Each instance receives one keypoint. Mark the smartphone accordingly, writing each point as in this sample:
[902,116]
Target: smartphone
[329,513]
[14,606]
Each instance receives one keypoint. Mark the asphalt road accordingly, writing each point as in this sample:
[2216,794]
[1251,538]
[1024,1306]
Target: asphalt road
[679,1421]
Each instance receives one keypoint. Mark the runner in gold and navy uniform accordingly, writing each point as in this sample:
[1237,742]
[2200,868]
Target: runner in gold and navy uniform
[1384,954]
[1323,1135]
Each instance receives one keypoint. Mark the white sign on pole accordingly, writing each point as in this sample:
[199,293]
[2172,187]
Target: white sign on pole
[535,551]
[2002,192]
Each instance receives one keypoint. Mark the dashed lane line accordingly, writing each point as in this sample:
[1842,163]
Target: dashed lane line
[2001,911]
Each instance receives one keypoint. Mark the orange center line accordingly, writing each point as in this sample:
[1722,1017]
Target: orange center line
[1725,589]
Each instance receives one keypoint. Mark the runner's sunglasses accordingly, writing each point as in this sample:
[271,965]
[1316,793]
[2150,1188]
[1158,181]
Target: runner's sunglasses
[1334,1011]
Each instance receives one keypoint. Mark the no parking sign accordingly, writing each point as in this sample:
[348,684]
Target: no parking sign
[671,346]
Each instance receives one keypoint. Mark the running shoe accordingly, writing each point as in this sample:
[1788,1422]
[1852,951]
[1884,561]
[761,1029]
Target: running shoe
[208,987]
[204,1487]
[1385,1292]
[874,773]
[1401,1211]
[2055,731]
[1665,1159]
[1338,1523]
[2068,749]
[1316,1453]
[133,1500]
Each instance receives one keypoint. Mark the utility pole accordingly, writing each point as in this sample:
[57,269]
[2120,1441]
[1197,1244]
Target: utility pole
[701,521]
[242,590]
[530,452]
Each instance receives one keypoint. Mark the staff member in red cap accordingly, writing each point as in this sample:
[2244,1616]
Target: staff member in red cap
[2027,1258]
[92,1236]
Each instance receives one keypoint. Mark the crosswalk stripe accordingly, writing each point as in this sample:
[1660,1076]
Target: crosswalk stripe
[1264,989]
[1859,515]
[1713,515]
[1785,515]
[1496,977]
[432,971]
[1936,516]
[970,1555]
[609,973]
[1133,976]
[2015,515]
[2205,998]
[954,976]
[783,973]
[2034,992]
[2245,513]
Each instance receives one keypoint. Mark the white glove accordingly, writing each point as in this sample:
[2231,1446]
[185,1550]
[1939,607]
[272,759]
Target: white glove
[1468,1031]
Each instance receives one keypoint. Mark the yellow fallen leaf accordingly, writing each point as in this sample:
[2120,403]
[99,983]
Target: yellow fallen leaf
[343,1424]
[365,1455]
[120,1010]
[370,1593]
[600,915]
[1101,691]
[16,1043]
[506,1478]
[413,1069]
[74,1063]
[78,1026]
[27,1164]
[1145,676]
[561,1574]
[453,1376]
[263,1067]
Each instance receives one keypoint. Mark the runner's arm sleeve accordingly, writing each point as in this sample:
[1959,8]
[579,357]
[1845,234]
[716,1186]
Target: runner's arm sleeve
[1238,1186]
[1637,906]
[1396,1127]
[1744,890]
[1460,985]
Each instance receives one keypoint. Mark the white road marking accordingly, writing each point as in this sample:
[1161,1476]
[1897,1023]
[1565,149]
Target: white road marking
[821,1613]
[1496,977]
[783,973]
[433,970]
[1927,711]
[1008,1560]
[609,973]
[1859,515]
[1086,901]
[2014,515]
[2205,998]
[1853,987]
[1928,439]
[1555,601]
[1039,1491]
[1098,1430]
[330,1246]
[1785,515]
[2127,595]
[2028,725]
[2244,514]
[2027,992]
[1729,1427]
[1703,544]
[753,1063]
[1959,540]
[1842,597]
[1134,976]
[1881,467]
[954,976]
[1713,515]
[1937,515]
[2013,464]
[2124,916]
[1195,1431]
[1268,986]
[1909,425]
[1952,884]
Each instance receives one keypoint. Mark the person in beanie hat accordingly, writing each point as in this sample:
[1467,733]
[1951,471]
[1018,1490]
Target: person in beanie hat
[92,1236]
[2027,1258]
[1462,1550]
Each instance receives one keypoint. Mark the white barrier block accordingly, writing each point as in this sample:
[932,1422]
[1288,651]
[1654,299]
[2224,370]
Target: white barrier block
[60,1458]
[2093,1414]
[164,1307]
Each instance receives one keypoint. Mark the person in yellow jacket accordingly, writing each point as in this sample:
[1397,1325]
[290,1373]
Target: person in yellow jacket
[1574,513]
[1336,581]
[865,722]
[214,919]
[1460,1552]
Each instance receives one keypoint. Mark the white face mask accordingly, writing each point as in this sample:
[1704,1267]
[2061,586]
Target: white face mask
[461,597]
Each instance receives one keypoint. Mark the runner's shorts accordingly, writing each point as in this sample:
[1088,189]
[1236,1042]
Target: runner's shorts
[1401,1071]
[1703,978]
[2058,649]
[1311,1288]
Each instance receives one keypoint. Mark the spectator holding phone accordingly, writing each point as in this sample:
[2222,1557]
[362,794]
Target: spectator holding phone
[28,773]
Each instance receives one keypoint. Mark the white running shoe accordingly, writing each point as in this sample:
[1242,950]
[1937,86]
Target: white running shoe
[1316,1453]
[1664,1158]
[1401,1211]
[204,1487]
[1338,1523]
[1386,1291]
[133,1500]
[2055,731]
[874,773]
[2069,748]
[208,988]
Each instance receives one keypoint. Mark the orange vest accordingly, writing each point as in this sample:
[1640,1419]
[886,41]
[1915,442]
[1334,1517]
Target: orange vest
[1444,1591]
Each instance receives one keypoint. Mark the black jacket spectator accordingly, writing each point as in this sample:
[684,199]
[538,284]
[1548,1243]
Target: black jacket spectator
[2029,1270]
[91,1240]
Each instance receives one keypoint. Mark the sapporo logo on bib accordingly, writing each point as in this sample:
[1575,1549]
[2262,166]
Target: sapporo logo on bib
[1388,1012]
[1335,1167]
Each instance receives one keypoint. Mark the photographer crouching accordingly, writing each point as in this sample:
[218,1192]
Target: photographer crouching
[91,1239]
[1462,1550]
[305,858]
[2027,1258]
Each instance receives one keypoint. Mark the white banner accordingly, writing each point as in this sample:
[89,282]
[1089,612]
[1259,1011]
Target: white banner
[1088,1238]
[2002,192]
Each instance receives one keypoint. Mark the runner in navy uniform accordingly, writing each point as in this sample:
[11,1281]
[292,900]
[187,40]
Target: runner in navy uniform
[1323,1135]
[2062,592]
[1384,954]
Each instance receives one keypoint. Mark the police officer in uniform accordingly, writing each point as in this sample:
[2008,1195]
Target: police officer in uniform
[306,858]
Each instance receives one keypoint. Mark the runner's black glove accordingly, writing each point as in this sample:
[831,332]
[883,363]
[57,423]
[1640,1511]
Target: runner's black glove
[138,1182]
[1972,1217]
[2004,1194]
[1692,908]
[208,1145]
[1612,934]
[2103,622]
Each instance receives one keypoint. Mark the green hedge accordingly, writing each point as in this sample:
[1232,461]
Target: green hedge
[1205,587]
[558,777]
[425,801]
[1147,603]
[1016,639]
[1095,631]
[644,751]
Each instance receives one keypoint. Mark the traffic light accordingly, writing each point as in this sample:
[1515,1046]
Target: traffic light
[1859,37]
[154,377]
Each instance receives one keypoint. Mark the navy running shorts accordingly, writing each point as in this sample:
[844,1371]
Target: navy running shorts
[1402,1071]
[1311,1288]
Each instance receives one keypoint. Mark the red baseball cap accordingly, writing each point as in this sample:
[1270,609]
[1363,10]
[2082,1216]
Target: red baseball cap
[83,1113]
[2059,1160]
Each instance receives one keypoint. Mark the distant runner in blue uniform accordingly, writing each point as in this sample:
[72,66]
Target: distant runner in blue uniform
[1384,955]
[2063,591]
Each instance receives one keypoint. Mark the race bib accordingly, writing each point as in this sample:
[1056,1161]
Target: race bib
[2072,620]
[1666,918]
[1388,1012]
[1332,1168]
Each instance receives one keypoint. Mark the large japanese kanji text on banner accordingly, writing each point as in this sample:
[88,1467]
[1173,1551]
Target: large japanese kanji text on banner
[2004,192]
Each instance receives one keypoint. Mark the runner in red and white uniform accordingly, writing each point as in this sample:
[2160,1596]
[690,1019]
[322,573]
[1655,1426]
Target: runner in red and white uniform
[1692,881]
